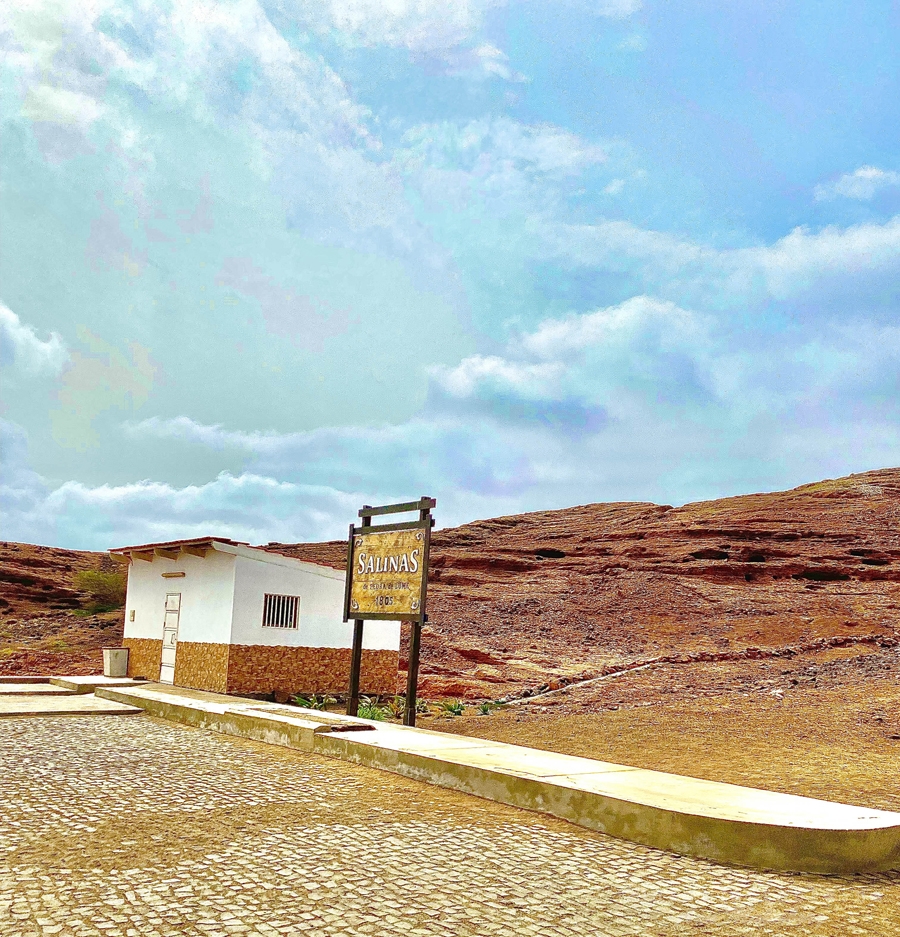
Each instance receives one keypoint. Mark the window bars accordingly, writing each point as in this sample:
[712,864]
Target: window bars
[280,611]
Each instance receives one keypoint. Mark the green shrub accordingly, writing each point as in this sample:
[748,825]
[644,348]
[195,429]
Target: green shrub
[453,707]
[396,706]
[369,709]
[107,589]
[485,708]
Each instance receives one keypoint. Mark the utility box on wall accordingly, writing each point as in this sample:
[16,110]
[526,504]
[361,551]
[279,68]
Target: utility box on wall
[213,614]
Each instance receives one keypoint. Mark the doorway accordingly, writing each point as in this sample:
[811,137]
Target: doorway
[170,637]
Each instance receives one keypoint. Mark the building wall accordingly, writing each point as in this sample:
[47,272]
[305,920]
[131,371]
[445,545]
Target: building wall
[144,656]
[286,671]
[222,644]
[207,591]
[321,592]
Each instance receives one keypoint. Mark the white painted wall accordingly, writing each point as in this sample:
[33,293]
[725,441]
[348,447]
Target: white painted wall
[321,592]
[207,596]
[222,601]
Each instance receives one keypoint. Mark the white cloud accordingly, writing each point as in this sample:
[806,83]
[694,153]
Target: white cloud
[841,270]
[61,106]
[863,184]
[619,326]
[528,379]
[67,56]
[801,259]
[489,147]
[418,25]
[642,400]
[21,348]
[480,61]
[496,168]
[247,507]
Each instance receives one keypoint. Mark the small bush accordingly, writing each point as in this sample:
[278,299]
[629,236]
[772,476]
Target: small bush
[369,709]
[107,589]
[485,709]
[453,707]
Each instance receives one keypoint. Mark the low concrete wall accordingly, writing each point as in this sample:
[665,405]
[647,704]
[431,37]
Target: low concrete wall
[773,846]
[689,816]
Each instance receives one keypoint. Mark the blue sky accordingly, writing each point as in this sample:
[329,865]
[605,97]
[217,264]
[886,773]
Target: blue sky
[266,260]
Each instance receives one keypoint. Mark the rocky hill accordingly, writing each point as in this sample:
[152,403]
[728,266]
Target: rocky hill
[45,622]
[534,600]
[522,602]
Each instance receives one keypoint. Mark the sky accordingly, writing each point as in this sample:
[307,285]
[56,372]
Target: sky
[263,261]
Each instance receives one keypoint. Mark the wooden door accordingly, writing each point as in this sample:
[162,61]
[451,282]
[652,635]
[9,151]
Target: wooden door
[170,637]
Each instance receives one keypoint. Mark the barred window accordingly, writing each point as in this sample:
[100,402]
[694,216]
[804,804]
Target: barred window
[281,611]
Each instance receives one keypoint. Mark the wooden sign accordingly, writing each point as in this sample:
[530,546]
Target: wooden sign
[387,579]
[388,574]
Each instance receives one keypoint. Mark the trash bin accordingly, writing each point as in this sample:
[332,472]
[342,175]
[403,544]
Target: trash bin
[115,662]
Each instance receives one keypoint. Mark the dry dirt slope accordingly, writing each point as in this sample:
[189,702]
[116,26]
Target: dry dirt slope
[43,626]
[519,602]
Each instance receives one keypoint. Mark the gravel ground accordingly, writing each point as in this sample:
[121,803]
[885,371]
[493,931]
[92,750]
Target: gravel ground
[140,828]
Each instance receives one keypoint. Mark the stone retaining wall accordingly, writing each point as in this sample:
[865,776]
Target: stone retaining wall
[144,656]
[285,671]
[202,665]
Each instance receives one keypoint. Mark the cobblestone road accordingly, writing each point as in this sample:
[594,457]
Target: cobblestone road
[138,827]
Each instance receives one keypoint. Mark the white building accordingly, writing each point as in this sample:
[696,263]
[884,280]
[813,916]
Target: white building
[217,615]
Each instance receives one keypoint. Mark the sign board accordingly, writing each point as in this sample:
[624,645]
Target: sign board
[387,579]
[388,573]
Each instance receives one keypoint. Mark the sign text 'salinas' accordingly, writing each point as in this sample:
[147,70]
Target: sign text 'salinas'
[387,573]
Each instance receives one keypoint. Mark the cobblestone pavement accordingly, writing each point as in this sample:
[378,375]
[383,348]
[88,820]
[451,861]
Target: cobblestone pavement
[139,827]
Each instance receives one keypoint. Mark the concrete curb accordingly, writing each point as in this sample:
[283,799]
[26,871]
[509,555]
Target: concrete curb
[89,684]
[689,816]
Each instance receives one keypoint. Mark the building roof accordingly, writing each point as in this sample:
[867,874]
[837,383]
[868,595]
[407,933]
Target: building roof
[166,548]
[174,544]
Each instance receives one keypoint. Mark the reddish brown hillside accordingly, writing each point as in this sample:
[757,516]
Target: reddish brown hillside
[523,601]
[40,631]
[519,602]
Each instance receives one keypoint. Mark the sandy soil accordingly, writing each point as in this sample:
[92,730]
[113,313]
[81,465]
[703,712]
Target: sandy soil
[825,726]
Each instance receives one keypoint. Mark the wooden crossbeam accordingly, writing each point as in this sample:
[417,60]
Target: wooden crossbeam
[196,551]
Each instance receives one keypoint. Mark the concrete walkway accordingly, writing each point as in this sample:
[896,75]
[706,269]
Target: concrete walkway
[62,696]
[63,705]
[89,684]
[32,689]
[723,822]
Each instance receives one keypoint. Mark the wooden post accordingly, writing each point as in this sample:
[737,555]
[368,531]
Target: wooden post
[356,655]
[355,666]
[412,673]
[415,632]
